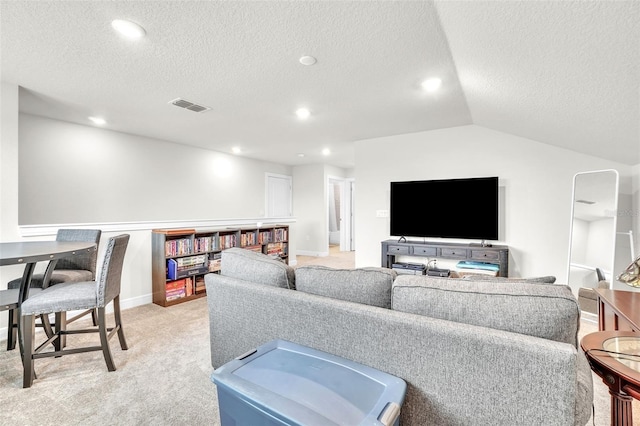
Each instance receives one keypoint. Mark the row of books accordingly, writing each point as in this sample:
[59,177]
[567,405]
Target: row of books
[264,237]
[185,262]
[248,239]
[186,246]
[184,287]
[228,241]
[179,289]
[280,234]
[178,247]
[186,266]
[214,262]
[205,244]
[280,248]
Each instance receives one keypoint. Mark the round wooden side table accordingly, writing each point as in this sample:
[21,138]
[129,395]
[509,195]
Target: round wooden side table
[615,357]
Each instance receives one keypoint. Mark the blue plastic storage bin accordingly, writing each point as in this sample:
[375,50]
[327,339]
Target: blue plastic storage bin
[282,383]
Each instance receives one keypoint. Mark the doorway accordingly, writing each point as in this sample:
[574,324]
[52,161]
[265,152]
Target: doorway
[339,213]
[278,197]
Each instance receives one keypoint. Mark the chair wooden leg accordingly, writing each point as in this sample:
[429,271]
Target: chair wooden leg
[12,329]
[61,324]
[28,334]
[118,319]
[46,325]
[104,339]
[94,317]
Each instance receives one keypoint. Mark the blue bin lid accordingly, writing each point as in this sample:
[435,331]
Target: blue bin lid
[307,386]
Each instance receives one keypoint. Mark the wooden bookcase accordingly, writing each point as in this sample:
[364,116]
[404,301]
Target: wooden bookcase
[180,258]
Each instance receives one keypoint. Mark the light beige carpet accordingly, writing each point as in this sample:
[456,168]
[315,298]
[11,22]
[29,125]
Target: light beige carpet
[163,379]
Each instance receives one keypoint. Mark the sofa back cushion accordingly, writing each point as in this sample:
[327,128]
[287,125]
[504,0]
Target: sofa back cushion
[256,268]
[370,286]
[549,311]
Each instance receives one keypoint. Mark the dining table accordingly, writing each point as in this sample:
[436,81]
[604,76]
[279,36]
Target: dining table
[29,253]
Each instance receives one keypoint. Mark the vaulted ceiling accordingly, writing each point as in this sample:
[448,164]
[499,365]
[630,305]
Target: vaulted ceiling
[565,73]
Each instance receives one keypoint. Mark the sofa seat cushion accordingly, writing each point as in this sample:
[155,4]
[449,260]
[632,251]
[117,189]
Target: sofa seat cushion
[369,286]
[548,311]
[256,268]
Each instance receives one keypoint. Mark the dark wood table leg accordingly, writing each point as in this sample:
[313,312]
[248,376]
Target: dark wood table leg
[621,409]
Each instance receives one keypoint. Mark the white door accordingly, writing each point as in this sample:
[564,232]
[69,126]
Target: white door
[278,195]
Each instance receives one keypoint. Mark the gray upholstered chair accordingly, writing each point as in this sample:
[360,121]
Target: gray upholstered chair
[75,269]
[9,300]
[89,296]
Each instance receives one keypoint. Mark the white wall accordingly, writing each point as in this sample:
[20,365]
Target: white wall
[88,177]
[9,230]
[84,174]
[536,180]
[628,218]
[635,210]
[309,208]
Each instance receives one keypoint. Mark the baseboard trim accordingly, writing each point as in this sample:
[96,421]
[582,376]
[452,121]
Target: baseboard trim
[312,253]
[589,317]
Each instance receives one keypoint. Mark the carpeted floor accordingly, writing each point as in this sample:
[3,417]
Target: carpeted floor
[163,379]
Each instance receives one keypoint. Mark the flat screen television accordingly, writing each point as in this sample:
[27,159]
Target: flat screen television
[448,208]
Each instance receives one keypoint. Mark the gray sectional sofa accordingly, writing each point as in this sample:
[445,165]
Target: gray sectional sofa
[471,352]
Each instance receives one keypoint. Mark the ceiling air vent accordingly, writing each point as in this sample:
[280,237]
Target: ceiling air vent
[189,105]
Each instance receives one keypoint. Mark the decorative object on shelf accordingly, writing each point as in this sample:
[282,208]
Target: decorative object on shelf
[631,275]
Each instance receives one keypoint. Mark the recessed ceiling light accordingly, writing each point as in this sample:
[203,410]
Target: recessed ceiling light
[300,155]
[431,84]
[303,113]
[326,151]
[98,121]
[128,29]
[236,150]
[308,60]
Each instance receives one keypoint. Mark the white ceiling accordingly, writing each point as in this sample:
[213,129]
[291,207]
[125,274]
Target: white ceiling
[566,73]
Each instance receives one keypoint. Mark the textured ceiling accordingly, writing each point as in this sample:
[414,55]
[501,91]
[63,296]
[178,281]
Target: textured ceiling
[562,73]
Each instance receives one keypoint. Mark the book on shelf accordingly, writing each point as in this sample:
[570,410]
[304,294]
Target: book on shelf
[177,284]
[264,237]
[199,285]
[279,248]
[184,262]
[184,267]
[228,241]
[205,244]
[175,294]
[280,234]
[248,239]
[179,288]
[178,247]
[215,262]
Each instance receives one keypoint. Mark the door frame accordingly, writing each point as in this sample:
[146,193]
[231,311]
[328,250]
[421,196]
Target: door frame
[346,210]
[266,192]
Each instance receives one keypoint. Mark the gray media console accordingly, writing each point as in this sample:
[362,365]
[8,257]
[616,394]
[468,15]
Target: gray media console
[498,255]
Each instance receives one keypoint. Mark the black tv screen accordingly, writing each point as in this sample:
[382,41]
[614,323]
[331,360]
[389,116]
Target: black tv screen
[448,208]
